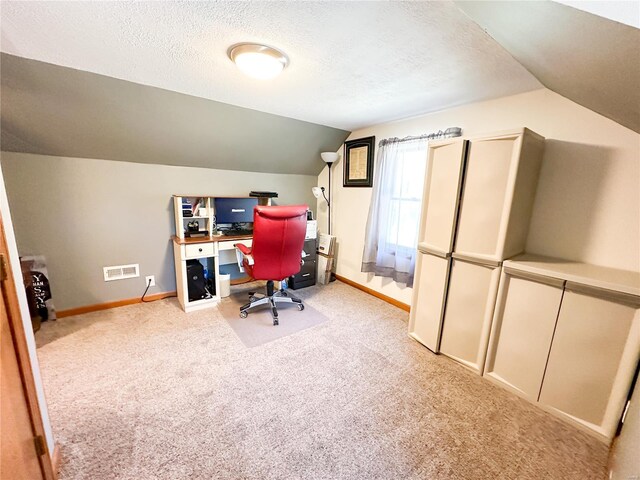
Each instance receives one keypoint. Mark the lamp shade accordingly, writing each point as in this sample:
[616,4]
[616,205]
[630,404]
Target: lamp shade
[330,157]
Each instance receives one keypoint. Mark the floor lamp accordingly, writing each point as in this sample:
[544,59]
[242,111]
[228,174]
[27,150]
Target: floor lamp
[329,158]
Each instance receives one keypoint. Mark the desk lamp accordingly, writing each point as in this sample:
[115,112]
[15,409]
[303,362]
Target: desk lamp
[329,158]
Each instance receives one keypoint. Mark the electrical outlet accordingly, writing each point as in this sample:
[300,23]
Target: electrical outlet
[150,280]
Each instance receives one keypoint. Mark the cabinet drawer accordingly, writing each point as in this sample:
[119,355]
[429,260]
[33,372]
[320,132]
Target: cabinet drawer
[310,247]
[229,245]
[307,271]
[198,250]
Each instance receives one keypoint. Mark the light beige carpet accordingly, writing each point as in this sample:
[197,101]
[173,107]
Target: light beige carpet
[149,392]
[258,327]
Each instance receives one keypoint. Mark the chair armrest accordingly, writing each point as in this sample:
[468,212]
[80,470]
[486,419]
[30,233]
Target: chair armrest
[243,253]
[243,248]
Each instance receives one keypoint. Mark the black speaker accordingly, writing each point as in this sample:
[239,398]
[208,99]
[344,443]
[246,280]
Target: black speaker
[195,280]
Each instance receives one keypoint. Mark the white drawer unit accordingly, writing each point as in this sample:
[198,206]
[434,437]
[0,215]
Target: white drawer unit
[500,182]
[429,295]
[522,330]
[470,300]
[441,194]
[199,250]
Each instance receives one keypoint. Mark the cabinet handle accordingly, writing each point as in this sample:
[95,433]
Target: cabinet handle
[306,274]
[199,249]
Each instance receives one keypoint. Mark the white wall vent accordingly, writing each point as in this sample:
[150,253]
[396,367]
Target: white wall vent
[120,272]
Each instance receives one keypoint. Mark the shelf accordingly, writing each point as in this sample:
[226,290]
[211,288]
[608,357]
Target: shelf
[191,218]
[625,281]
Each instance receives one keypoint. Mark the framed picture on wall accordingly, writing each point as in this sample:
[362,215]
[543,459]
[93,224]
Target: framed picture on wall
[358,162]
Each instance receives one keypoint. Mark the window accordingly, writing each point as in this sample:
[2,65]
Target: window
[406,197]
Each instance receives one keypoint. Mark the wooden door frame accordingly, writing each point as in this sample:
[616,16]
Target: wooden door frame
[22,351]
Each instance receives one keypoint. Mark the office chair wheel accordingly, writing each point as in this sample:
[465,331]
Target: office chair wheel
[243,314]
[300,307]
[275,322]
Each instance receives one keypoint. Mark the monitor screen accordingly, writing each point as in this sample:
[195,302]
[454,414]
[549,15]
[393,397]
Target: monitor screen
[234,210]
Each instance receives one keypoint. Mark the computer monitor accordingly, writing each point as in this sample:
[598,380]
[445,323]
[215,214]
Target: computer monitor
[234,210]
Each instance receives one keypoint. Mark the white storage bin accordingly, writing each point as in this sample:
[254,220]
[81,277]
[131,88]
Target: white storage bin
[225,284]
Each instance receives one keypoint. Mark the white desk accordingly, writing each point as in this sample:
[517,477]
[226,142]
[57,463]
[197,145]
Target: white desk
[211,251]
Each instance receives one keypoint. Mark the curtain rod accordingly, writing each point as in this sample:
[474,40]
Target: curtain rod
[448,133]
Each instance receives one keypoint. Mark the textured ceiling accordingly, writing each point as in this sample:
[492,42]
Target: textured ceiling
[353,64]
[589,59]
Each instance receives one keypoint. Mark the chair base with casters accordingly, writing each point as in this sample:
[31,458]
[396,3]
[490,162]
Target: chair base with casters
[271,298]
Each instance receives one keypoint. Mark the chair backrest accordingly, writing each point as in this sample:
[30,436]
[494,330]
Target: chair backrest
[278,239]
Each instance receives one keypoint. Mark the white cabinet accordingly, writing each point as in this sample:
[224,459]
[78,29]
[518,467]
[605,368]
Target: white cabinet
[593,357]
[500,182]
[477,202]
[205,252]
[566,335]
[429,294]
[441,194]
[470,300]
[521,332]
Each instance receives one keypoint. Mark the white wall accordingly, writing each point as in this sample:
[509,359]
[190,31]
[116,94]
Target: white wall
[85,214]
[587,206]
[24,311]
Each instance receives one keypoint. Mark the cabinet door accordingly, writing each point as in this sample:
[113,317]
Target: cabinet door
[592,360]
[470,300]
[441,194]
[428,299]
[521,331]
[486,196]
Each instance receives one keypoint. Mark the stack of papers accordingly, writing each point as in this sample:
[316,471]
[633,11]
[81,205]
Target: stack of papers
[326,252]
[327,245]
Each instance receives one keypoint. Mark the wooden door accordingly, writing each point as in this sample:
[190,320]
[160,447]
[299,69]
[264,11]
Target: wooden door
[24,452]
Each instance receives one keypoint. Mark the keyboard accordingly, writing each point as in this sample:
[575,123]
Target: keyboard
[235,233]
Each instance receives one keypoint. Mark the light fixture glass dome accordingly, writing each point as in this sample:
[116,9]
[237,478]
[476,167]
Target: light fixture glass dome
[258,61]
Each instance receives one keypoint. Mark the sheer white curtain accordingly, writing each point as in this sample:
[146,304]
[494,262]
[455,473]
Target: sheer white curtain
[394,215]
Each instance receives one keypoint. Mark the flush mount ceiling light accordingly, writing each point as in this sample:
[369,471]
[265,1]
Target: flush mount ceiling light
[258,61]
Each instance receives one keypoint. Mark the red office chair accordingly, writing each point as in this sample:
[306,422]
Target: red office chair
[276,253]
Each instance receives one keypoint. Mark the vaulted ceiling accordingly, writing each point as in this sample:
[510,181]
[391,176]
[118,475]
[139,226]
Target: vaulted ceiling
[587,58]
[150,81]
